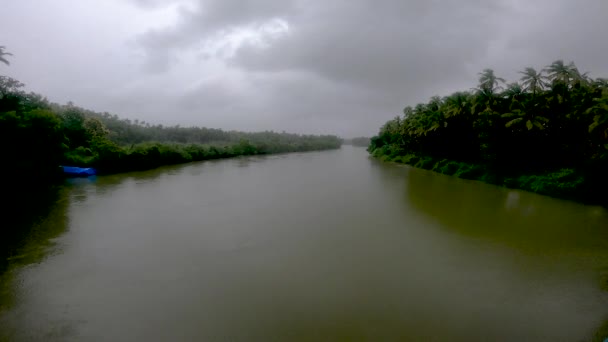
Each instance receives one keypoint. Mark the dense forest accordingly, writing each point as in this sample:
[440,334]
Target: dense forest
[546,133]
[43,135]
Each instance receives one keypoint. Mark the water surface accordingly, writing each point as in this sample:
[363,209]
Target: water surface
[314,246]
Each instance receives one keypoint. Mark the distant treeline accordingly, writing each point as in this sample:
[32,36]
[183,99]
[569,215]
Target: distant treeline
[38,136]
[359,141]
[547,133]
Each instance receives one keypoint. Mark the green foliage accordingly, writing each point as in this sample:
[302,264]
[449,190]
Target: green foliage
[81,124]
[425,163]
[563,183]
[36,143]
[43,136]
[74,127]
[527,133]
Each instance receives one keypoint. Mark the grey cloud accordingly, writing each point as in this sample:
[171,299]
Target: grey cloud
[368,59]
[210,96]
[205,21]
[148,3]
[343,66]
[573,31]
[381,44]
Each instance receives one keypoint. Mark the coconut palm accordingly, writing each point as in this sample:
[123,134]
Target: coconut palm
[488,82]
[458,104]
[485,100]
[533,81]
[600,114]
[4,53]
[525,116]
[513,91]
[562,73]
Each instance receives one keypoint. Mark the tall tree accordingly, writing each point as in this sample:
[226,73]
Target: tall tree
[558,72]
[3,53]
[489,83]
[533,81]
[513,91]
[525,116]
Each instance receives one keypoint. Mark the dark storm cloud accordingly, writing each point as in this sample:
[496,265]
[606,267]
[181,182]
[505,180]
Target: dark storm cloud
[296,65]
[375,42]
[201,22]
[380,44]
[365,59]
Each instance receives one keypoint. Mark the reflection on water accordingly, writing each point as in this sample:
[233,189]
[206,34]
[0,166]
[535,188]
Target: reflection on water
[314,246]
[33,217]
[22,209]
[526,221]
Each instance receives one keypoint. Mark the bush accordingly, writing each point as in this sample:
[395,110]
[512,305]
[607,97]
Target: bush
[563,183]
[469,171]
[425,163]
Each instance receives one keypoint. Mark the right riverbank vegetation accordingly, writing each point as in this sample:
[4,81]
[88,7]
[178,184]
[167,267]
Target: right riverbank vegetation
[546,133]
[44,135]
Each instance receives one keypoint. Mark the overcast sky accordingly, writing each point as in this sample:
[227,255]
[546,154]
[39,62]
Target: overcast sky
[305,66]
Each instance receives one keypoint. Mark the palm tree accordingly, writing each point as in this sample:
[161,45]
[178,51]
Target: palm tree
[532,80]
[514,91]
[458,104]
[486,99]
[523,115]
[562,73]
[2,54]
[488,82]
[600,114]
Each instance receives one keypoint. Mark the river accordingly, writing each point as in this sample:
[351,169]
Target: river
[315,246]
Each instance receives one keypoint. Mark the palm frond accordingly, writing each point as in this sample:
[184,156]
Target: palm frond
[513,122]
[542,118]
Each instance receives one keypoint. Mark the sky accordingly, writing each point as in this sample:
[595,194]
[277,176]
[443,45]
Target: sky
[305,66]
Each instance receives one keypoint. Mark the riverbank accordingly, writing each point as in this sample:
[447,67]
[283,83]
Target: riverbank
[40,136]
[251,231]
[546,133]
[109,158]
[565,183]
[31,200]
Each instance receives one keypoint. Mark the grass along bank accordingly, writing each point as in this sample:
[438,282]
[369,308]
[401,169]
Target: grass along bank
[562,183]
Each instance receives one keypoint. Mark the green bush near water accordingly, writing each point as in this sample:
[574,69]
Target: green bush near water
[561,183]
[109,157]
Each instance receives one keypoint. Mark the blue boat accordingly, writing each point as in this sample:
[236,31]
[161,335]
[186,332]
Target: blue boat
[73,171]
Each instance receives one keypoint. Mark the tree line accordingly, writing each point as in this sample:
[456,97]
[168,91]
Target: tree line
[547,133]
[39,136]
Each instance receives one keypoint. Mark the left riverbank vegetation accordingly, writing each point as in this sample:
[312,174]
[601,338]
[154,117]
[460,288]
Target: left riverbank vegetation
[39,136]
[546,133]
